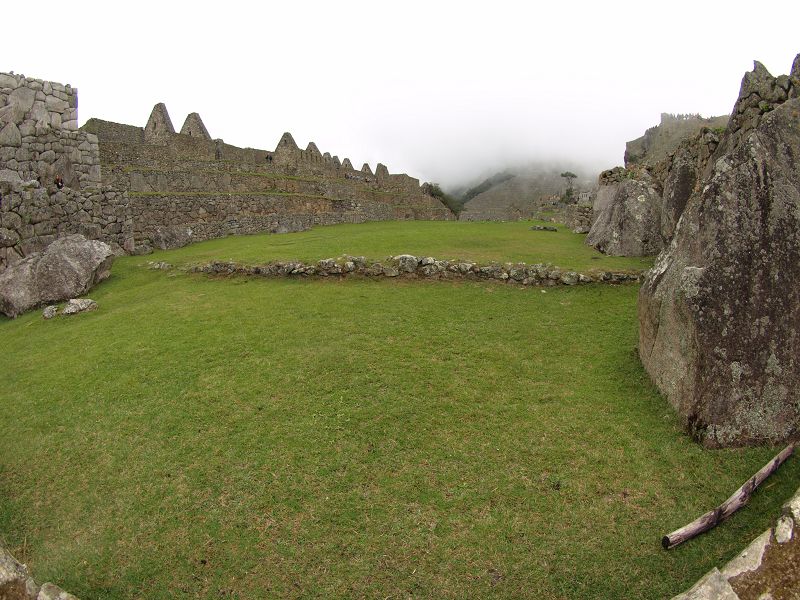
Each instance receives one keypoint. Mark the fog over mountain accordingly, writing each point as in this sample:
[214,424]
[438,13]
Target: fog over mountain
[446,92]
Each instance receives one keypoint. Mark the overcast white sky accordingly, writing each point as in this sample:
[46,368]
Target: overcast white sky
[444,91]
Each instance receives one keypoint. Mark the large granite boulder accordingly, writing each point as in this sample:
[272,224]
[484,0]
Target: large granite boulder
[627,216]
[680,173]
[719,314]
[67,268]
[636,209]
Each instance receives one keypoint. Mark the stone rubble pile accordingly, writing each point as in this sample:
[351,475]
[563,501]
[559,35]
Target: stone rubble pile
[73,307]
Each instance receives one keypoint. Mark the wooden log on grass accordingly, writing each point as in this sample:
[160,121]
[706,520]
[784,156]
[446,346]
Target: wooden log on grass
[739,498]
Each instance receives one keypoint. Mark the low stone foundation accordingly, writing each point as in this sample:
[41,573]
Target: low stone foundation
[408,266]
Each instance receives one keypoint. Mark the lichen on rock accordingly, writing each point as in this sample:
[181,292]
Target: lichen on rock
[719,314]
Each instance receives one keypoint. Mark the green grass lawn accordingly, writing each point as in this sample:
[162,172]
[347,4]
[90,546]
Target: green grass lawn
[254,438]
[477,241]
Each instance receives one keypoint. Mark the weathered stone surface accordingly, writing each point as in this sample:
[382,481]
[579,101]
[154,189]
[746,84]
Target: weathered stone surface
[792,507]
[10,136]
[159,125]
[19,102]
[157,182]
[678,187]
[570,278]
[286,143]
[406,263]
[763,570]
[671,175]
[784,529]
[68,267]
[750,558]
[194,127]
[627,219]
[13,577]
[680,174]
[50,311]
[8,237]
[160,266]
[659,141]
[79,305]
[166,238]
[427,267]
[711,587]
[53,592]
[719,314]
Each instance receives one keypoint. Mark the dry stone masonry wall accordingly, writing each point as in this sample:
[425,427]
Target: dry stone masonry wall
[409,266]
[140,187]
[660,141]
[49,170]
[39,135]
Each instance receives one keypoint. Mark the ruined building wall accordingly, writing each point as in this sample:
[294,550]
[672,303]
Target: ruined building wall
[182,188]
[660,141]
[40,141]
[39,137]
[143,187]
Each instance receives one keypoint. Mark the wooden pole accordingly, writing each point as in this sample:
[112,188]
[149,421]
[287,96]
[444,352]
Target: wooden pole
[739,498]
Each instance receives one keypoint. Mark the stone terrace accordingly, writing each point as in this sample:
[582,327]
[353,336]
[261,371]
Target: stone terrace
[139,187]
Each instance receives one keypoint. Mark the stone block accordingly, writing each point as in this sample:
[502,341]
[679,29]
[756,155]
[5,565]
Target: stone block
[10,220]
[8,81]
[750,558]
[21,99]
[56,104]
[10,136]
[27,129]
[714,586]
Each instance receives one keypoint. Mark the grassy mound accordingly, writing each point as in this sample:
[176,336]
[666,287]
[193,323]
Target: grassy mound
[200,437]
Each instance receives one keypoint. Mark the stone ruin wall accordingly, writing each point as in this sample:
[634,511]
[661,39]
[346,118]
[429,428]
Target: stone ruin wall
[39,137]
[39,141]
[138,188]
[578,217]
[659,141]
[181,188]
[637,208]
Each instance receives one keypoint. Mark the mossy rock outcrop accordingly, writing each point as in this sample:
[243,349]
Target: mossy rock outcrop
[719,314]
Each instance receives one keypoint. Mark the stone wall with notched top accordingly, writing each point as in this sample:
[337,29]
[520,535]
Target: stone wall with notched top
[143,187]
